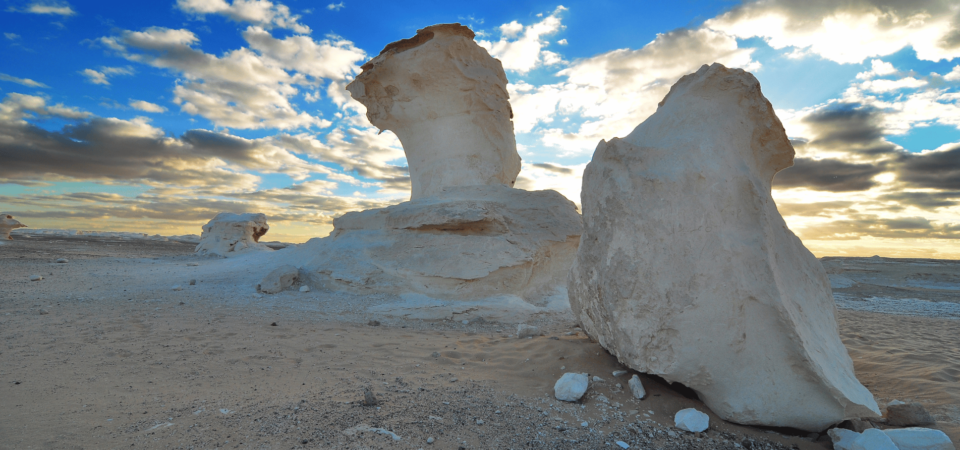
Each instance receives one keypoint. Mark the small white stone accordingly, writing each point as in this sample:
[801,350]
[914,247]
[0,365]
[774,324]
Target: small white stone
[597,379]
[584,424]
[919,439]
[465,321]
[691,420]
[35,278]
[176,287]
[479,421]
[895,402]
[617,373]
[623,444]
[637,388]
[571,387]
[524,330]
[62,260]
[430,440]
[304,288]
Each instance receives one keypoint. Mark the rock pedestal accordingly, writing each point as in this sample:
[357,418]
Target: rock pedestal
[687,270]
[446,99]
[231,234]
[8,224]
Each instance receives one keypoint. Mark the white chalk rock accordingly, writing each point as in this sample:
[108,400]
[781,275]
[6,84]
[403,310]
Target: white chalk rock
[636,387]
[571,387]
[8,224]
[467,243]
[278,279]
[35,277]
[304,288]
[687,270]
[446,99]
[842,438]
[873,439]
[525,331]
[691,420]
[231,234]
[919,439]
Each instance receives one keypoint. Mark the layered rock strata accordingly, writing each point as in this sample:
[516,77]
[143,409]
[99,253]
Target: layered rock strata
[687,270]
[230,234]
[446,100]
[8,224]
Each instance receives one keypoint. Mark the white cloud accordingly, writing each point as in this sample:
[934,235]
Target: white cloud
[520,48]
[101,76]
[954,74]
[878,68]
[562,42]
[56,8]
[11,36]
[263,13]
[847,32]
[24,81]
[566,180]
[336,6]
[146,106]
[892,85]
[332,58]
[16,107]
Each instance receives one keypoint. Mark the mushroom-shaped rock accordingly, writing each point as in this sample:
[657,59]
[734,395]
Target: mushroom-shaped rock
[230,234]
[8,224]
[686,269]
[446,99]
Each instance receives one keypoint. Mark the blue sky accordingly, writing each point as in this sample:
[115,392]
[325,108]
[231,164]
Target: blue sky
[154,118]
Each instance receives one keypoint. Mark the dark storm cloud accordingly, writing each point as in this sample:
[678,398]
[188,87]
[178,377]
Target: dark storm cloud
[828,175]
[554,168]
[849,127]
[929,201]
[938,169]
[870,225]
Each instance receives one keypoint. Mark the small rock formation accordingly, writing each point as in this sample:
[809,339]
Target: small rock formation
[8,224]
[687,270]
[919,439]
[636,387]
[230,234]
[908,415]
[571,387]
[525,331]
[691,420]
[446,99]
[278,279]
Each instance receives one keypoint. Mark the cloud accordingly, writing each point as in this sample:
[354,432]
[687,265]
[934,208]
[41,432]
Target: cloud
[24,81]
[828,175]
[954,74]
[936,169]
[57,8]
[146,106]
[244,88]
[520,48]
[11,36]
[878,68]
[926,200]
[845,129]
[815,208]
[860,225]
[336,6]
[101,76]
[263,13]
[566,180]
[847,32]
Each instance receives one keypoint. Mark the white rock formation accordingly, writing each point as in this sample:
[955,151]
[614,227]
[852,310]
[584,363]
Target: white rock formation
[278,279]
[919,439]
[467,243]
[691,420]
[524,331]
[446,99]
[571,387]
[687,270]
[8,224]
[230,234]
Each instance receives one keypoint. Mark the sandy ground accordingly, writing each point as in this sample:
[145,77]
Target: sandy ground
[102,353]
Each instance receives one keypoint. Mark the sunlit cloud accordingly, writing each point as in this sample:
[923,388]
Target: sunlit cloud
[263,13]
[24,81]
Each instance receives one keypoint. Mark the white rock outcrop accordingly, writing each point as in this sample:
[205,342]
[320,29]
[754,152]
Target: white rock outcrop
[230,234]
[446,99]
[687,270]
[571,387]
[278,279]
[919,439]
[636,387]
[8,224]
[467,243]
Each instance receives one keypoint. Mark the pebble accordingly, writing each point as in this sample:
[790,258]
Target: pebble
[176,287]
[479,421]
[571,387]
[44,312]
[617,373]
[584,424]
[623,444]
[524,330]
[435,355]
[453,380]
[193,282]
[691,420]
[193,264]
[597,379]
[35,278]
[908,414]
[637,388]
[430,440]
[368,398]
[374,323]
[62,261]
[304,288]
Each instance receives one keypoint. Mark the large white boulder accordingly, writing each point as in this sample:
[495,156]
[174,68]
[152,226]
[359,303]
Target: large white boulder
[919,439]
[571,387]
[8,224]
[446,99]
[230,234]
[687,270]
[466,243]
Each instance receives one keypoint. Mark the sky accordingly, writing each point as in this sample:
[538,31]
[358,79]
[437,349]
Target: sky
[155,116]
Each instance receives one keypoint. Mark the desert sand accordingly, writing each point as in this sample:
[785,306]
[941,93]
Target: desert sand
[104,353]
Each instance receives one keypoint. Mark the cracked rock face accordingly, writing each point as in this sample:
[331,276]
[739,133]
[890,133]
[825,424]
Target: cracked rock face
[8,224]
[446,100]
[230,234]
[687,270]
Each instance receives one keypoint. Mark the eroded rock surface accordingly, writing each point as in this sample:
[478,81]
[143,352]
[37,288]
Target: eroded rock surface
[467,243]
[8,224]
[687,270]
[446,99]
[231,234]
